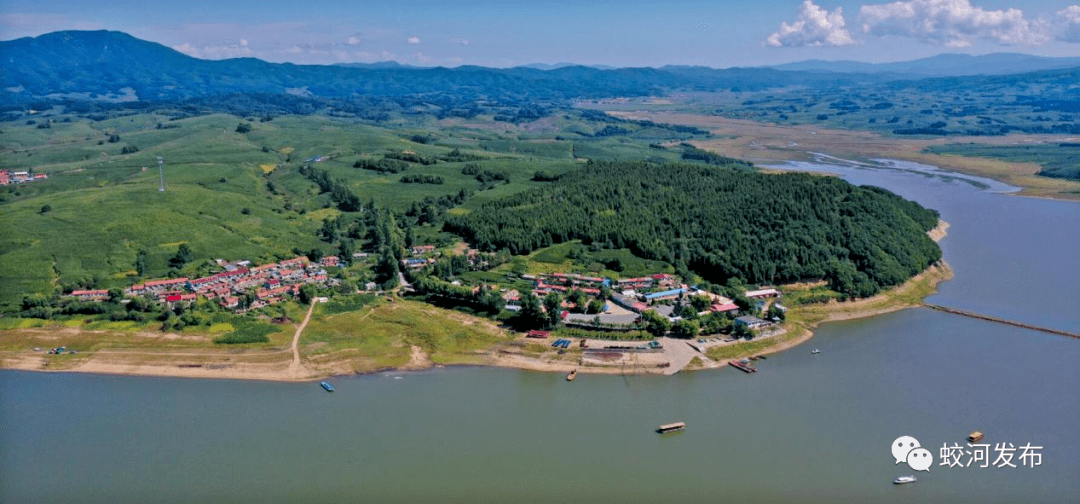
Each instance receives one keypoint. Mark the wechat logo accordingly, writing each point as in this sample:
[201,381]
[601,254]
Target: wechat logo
[907,449]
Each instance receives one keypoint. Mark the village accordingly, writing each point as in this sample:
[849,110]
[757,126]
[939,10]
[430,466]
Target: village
[241,287]
[20,177]
[655,323]
[609,322]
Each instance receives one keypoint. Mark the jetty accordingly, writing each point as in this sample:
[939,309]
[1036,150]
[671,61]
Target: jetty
[991,318]
[671,427]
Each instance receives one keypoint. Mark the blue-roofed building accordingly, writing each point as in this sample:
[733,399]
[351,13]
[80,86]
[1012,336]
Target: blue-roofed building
[668,294]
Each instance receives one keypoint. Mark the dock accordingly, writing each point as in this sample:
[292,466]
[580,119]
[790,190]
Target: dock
[1000,320]
[671,427]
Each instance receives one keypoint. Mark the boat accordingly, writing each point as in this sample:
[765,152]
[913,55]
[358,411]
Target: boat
[816,351]
[327,386]
[743,366]
[904,479]
[671,427]
[571,375]
[762,357]
[975,436]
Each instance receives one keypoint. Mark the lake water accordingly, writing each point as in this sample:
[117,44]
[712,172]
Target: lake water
[807,428]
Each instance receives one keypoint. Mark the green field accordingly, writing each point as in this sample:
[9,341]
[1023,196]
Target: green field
[380,335]
[1060,160]
[233,196]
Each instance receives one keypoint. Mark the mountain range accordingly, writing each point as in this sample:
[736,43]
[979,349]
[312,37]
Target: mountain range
[942,65]
[111,65]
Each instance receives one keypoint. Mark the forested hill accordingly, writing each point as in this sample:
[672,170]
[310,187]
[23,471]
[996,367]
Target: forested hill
[721,222]
[115,65]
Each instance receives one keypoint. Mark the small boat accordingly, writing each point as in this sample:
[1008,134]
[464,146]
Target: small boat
[762,357]
[671,427]
[816,351]
[571,375]
[327,386]
[904,479]
[975,436]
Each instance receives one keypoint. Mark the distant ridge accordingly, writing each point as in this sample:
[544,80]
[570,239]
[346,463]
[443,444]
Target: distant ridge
[111,65]
[942,65]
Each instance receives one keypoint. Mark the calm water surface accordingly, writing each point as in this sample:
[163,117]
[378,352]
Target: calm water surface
[805,429]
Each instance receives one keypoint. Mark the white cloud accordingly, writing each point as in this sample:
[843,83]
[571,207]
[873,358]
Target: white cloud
[953,23]
[413,40]
[460,41]
[1069,18]
[232,50]
[815,27]
[353,40]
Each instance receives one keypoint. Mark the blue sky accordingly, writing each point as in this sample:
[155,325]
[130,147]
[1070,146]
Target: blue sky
[504,33]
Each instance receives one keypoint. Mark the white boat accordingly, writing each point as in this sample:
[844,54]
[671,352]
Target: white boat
[816,351]
[904,479]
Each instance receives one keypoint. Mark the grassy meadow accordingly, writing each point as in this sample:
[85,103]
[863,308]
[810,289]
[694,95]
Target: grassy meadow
[381,334]
[232,195]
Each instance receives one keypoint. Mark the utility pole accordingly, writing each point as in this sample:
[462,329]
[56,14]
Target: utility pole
[161,174]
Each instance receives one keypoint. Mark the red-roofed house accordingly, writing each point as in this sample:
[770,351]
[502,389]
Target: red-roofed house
[91,295]
[724,308]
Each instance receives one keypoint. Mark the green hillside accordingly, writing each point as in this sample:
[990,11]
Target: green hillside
[233,195]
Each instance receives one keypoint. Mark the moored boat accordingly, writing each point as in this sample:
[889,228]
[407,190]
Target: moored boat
[743,365]
[327,386]
[671,427]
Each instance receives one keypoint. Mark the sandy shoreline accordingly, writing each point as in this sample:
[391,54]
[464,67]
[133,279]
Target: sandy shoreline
[286,366]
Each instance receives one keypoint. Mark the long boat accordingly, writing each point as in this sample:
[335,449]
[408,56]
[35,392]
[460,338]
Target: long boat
[327,386]
[742,366]
[671,427]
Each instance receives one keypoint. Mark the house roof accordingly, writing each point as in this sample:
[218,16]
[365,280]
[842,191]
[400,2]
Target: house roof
[672,292]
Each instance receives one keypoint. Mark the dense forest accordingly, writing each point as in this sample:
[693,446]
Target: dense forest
[721,222]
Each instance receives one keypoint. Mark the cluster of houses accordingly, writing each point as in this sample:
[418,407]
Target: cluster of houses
[19,177]
[269,283]
[565,282]
[423,255]
[637,295]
